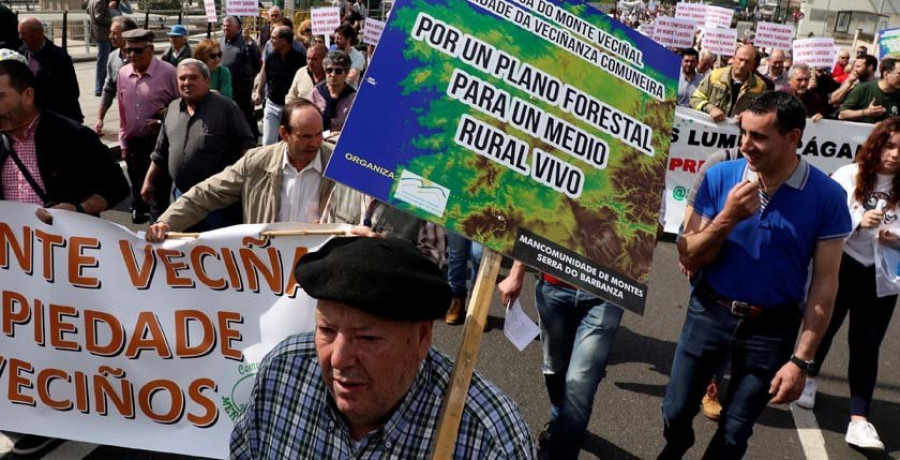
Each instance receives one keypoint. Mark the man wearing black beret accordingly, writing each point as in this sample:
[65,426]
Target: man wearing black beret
[368,383]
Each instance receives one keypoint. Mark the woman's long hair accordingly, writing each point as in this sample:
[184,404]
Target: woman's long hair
[869,160]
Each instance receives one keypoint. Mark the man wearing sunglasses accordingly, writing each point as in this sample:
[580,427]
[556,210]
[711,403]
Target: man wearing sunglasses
[146,86]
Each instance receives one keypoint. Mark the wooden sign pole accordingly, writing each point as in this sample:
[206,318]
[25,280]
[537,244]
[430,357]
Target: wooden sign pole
[476,317]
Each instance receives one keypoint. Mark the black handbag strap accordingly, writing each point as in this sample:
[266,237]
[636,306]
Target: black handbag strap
[9,151]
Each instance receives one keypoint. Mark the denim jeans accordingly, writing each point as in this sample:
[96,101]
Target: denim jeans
[758,347]
[577,332]
[460,251]
[271,122]
[103,48]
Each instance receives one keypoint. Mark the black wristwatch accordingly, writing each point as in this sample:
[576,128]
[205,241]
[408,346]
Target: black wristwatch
[78,208]
[804,365]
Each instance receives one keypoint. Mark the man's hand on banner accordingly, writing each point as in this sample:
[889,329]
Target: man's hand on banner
[47,218]
[362,230]
[157,232]
[717,114]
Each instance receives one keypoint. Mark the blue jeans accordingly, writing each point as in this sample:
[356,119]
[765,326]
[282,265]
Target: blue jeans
[460,251]
[758,347]
[271,122]
[103,48]
[577,332]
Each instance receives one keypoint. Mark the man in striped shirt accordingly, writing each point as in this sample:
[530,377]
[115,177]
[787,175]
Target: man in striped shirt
[368,384]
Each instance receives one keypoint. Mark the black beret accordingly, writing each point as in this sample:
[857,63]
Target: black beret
[385,277]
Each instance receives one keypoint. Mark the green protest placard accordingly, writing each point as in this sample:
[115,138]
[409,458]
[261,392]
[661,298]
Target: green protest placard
[539,128]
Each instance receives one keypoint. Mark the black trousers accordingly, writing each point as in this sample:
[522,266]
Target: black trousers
[138,162]
[870,317]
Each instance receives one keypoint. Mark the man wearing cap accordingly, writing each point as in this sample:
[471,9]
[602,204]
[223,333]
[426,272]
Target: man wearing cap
[179,49]
[145,87]
[367,383]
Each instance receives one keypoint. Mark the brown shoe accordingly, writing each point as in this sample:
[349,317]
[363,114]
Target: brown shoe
[710,404]
[456,314]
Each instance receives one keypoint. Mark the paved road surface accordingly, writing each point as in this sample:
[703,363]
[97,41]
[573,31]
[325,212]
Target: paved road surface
[626,422]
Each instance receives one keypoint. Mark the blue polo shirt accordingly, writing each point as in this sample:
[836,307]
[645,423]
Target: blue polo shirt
[766,259]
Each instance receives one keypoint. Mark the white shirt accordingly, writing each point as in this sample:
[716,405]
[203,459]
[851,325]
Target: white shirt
[861,243]
[300,191]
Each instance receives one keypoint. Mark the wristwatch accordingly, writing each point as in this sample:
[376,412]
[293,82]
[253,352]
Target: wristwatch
[804,365]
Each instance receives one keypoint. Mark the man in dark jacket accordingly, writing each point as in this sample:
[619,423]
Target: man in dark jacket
[48,159]
[55,83]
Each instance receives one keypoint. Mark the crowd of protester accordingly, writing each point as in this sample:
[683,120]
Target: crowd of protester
[197,160]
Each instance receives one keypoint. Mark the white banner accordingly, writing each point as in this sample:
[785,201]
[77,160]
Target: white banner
[210,11]
[817,52]
[720,41]
[827,145]
[716,16]
[105,338]
[694,11]
[773,35]
[372,31]
[674,32]
[242,8]
[325,20]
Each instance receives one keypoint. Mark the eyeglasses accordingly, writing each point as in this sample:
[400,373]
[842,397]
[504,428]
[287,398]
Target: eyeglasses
[215,55]
[318,40]
[307,31]
[334,70]
[135,51]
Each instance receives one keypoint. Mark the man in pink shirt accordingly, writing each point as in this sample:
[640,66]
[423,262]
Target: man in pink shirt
[146,86]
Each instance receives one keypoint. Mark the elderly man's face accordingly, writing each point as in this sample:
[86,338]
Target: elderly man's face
[115,34]
[230,28]
[776,64]
[744,62]
[314,57]
[139,53]
[31,37]
[305,137]
[800,82]
[368,363]
[178,42]
[192,85]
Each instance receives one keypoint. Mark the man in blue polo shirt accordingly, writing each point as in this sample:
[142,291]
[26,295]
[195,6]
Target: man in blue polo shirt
[759,223]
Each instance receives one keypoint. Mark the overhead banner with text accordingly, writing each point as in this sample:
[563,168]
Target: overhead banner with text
[827,145]
[105,338]
[539,128]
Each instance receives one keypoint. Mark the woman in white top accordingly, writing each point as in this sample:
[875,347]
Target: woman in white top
[873,192]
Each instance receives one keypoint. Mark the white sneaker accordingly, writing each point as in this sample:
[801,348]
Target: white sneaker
[863,435]
[808,399]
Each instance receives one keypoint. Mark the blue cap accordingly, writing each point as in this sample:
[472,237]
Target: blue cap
[178,30]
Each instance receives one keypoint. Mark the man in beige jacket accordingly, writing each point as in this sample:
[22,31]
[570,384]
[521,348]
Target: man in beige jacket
[282,182]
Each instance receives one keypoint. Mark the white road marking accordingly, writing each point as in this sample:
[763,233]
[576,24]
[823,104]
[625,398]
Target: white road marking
[809,433]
